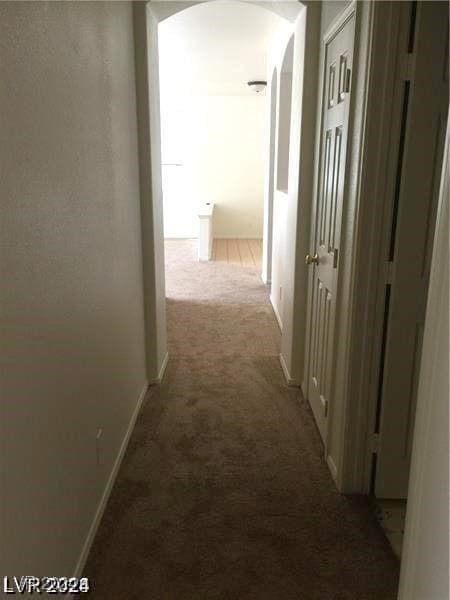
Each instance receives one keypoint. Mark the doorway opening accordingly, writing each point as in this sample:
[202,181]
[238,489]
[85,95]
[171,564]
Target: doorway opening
[214,121]
[294,19]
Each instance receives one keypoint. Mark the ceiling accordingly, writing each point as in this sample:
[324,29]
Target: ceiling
[215,48]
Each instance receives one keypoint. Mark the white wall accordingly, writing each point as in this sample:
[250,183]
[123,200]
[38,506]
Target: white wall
[71,304]
[284,130]
[284,117]
[219,141]
[299,197]
[280,253]
[278,159]
[213,124]
[269,177]
[290,244]
[425,564]
[150,178]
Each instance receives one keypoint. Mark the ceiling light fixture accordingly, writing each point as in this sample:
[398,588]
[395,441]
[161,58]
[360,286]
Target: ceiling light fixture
[257,86]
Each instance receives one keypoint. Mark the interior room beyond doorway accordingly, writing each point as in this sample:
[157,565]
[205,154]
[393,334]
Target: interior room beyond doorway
[213,125]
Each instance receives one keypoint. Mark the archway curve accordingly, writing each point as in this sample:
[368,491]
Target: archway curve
[223,42]
[288,56]
[286,9]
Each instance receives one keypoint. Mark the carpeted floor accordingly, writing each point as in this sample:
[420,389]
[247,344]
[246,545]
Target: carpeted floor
[223,492]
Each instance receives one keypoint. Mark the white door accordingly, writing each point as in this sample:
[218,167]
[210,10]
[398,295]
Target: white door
[424,100]
[327,217]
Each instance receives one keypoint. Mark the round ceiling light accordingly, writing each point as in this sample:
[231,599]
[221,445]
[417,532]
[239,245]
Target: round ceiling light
[257,86]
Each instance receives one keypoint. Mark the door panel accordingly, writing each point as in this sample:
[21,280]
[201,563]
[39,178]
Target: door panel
[424,97]
[328,217]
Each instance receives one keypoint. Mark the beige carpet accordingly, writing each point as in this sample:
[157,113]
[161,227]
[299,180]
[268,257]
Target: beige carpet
[223,492]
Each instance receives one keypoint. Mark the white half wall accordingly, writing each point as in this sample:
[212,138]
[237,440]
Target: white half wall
[71,304]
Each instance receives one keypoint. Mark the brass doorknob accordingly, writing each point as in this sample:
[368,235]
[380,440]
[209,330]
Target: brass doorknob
[311,260]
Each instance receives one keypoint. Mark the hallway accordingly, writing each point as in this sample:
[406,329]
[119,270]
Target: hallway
[223,492]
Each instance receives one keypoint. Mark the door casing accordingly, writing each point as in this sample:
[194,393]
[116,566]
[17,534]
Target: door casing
[405,262]
[349,444]
[327,270]
[338,411]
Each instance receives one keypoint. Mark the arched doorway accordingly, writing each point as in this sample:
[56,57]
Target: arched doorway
[305,28]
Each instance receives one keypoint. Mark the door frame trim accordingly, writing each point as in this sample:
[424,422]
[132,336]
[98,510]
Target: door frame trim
[371,232]
[348,448]
[390,63]
[350,11]
[378,165]
[335,27]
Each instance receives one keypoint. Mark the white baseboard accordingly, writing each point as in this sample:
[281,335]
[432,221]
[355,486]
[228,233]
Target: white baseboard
[289,380]
[277,314]
[332,467]
[304,389]
[109,486]
[161,371]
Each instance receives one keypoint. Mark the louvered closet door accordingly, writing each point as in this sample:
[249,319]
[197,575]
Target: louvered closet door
[324,258]
[423,95]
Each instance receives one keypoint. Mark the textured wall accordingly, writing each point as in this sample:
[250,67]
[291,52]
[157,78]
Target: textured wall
[71,308]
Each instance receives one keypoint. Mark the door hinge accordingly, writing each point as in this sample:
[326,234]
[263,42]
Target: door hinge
[375,443]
